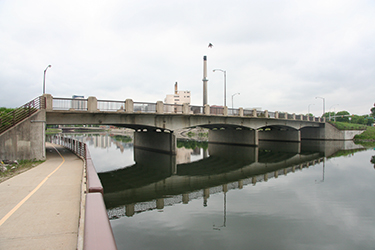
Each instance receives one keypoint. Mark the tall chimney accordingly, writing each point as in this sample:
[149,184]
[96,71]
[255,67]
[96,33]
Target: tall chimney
[205,80]
[175,88]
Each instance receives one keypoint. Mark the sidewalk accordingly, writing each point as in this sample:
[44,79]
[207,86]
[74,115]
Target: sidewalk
[49,218]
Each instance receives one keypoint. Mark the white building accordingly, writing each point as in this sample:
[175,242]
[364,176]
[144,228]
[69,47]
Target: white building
[177,99]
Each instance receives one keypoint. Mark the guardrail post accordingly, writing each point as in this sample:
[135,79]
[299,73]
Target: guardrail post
[266,113]
[225,111]
[294,116]
[129,106]
[254,113]
[276,114]
[49,102]
[206,109]
[159,107]
[240,111]
[185,108]
[92,104]
[324,119]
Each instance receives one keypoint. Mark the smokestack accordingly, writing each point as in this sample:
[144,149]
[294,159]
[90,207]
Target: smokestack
[175,88]
[205,80]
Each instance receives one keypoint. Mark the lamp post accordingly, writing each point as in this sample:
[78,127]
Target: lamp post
[324,104]
[232,98]
[330,112]
[308,109]
[225,85]
[44,79]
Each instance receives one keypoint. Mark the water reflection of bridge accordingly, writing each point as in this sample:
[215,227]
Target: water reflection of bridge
[156,180]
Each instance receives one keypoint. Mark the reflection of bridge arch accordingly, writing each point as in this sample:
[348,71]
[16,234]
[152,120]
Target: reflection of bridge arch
[221,168]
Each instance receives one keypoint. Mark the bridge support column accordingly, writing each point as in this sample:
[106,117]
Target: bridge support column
[234,136]
[280,134]
[156,141]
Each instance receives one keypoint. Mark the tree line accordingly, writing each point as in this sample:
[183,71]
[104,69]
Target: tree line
[345,116]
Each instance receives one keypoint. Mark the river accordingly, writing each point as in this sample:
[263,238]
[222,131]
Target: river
[309,195]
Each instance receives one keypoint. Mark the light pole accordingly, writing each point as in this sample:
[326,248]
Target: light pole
[232,98]
[333,112]
[44,79]
[225,85]
[324,104]
[308,109]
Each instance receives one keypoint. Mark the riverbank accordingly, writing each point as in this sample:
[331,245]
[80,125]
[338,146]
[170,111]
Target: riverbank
[367,136]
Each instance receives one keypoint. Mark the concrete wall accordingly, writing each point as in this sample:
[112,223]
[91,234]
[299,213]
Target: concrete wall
[26,140]
[157,141]
[277,134]
[234,136]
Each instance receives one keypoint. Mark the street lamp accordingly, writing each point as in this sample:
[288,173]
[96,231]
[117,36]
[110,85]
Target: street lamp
[44,79]
[308,109]
[225,85]
[232,98]
[324,104]
[330,111]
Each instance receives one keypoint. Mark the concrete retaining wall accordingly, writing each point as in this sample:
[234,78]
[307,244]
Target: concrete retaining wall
[26,140]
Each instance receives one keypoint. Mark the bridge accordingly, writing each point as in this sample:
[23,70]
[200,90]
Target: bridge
[154,124]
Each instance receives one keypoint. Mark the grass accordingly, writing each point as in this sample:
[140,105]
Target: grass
[368,135]
[15,169]
[348,126]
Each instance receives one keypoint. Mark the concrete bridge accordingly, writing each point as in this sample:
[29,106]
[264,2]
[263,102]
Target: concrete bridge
[154,124]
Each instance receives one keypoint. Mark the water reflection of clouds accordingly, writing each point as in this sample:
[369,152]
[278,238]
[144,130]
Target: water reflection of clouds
[294,211]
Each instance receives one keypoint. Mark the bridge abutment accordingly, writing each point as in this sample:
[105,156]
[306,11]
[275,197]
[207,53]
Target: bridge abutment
[234,136]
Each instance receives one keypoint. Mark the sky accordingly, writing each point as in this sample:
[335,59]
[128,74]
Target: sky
[279,55]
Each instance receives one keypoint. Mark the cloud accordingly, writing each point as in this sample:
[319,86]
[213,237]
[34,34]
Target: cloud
[278,55]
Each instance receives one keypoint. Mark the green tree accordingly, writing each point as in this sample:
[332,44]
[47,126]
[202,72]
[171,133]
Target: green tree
[342,116]
[358,119]
[373,111]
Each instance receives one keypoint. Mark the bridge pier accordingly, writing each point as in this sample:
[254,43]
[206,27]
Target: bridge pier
[280,134]
[163,142]
[242,136]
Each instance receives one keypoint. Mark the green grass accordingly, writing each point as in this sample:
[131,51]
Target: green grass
[348,126]
[369,135]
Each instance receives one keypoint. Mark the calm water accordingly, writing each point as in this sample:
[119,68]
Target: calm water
[278,196]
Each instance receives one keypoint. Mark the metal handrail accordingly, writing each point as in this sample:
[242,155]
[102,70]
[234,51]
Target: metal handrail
[8,120]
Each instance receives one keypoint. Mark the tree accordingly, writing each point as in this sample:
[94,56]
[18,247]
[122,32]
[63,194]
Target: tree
[373,111]
[342,116]
[327,115]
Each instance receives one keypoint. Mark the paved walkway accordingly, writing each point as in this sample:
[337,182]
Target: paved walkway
[40,208]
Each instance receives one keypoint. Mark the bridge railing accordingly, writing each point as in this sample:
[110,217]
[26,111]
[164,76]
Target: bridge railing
[233,112]
[82,104]
[197,109]
[271,114]
[216,110]
[144,107]
[173,108]
[69,104]
[8,120]
[107,105]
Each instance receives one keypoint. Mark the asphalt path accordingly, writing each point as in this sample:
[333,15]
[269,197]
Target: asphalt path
[40,208]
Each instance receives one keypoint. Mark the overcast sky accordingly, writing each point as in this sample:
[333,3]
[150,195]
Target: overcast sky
[279,55]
